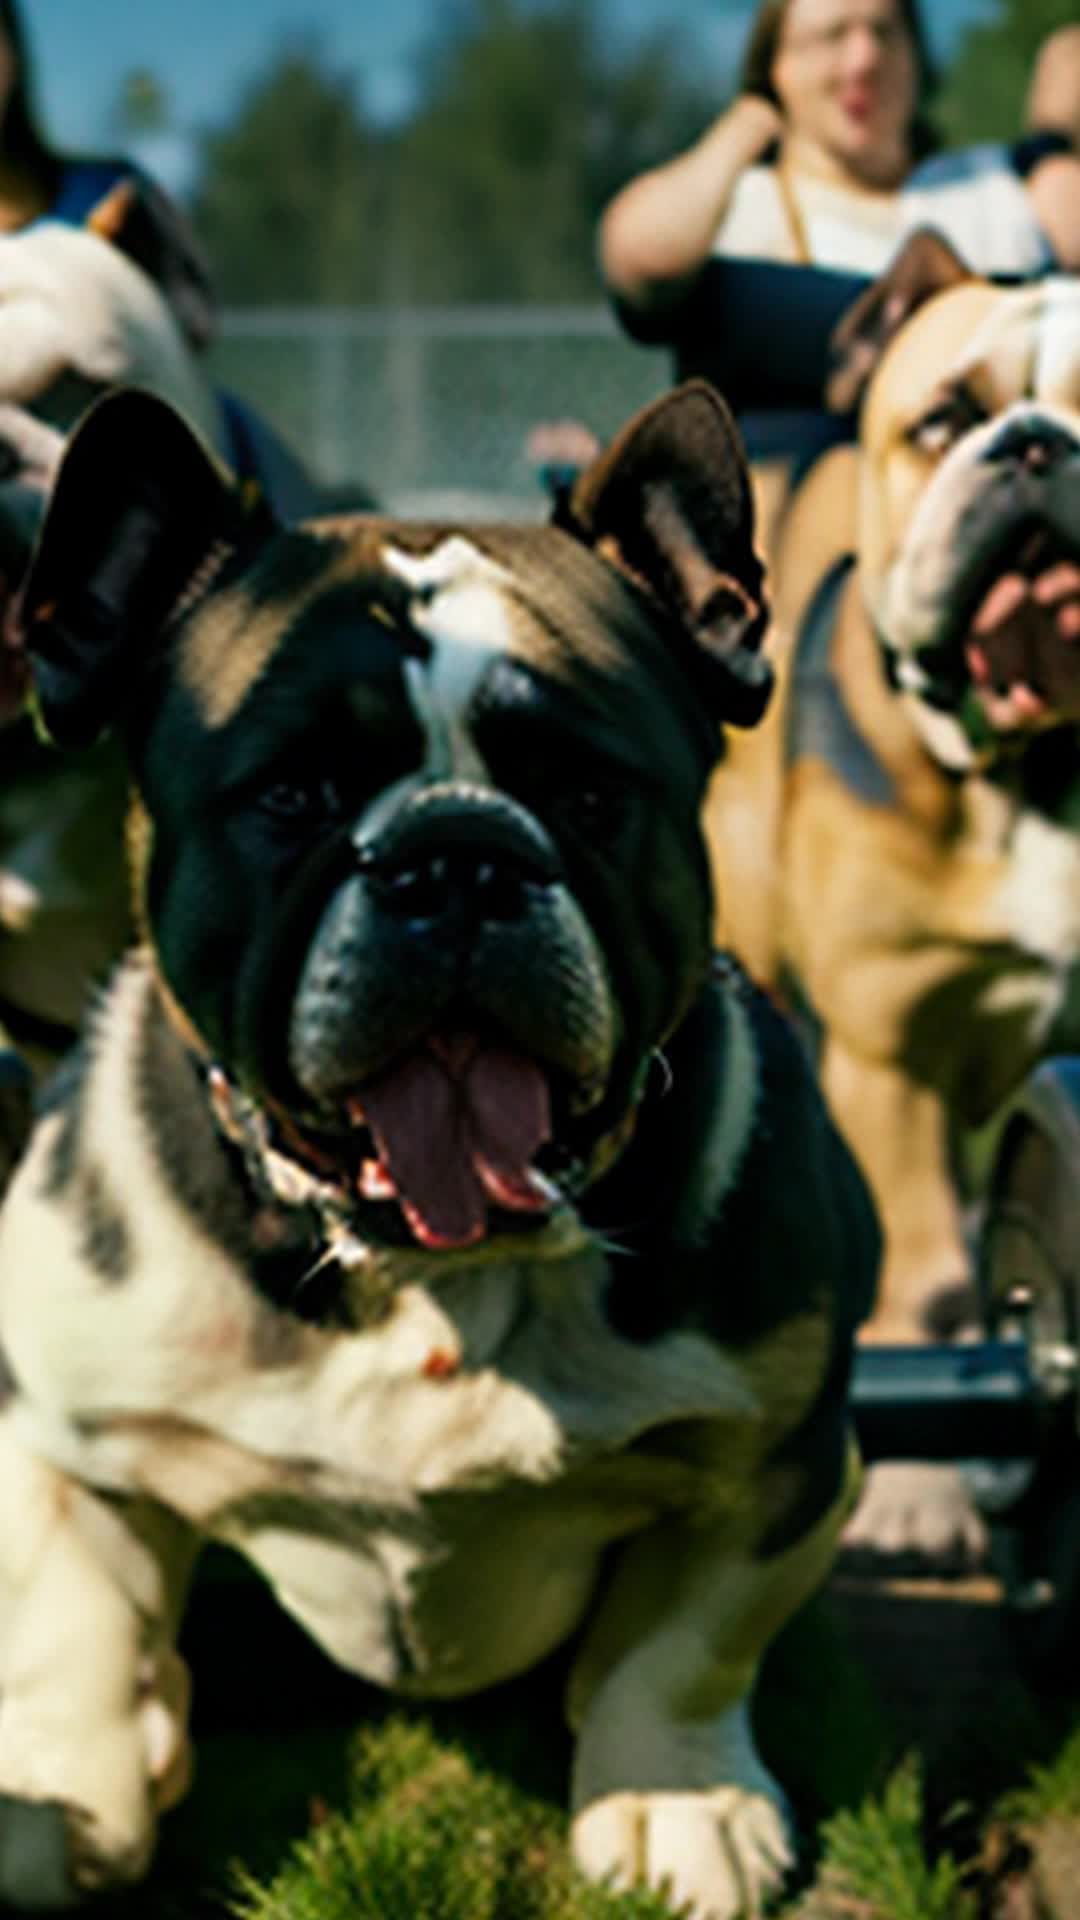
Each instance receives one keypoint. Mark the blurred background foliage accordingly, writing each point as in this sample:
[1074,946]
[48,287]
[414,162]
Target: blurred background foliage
[983,93]
[523,123]
[525,118]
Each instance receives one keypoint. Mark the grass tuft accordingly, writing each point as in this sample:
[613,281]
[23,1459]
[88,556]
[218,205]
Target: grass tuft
[1051,1791]
[430,1835]
[875,1866]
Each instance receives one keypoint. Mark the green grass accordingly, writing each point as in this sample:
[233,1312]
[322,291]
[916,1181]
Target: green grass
[427,1834]
[1051,1791]
[875,1863]
[430,1835]
[335,1803]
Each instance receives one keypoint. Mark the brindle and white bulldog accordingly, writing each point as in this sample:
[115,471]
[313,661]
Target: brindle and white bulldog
[899,847]
[428,1216]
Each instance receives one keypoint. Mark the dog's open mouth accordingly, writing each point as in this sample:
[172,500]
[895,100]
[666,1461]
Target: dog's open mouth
[452,1142]
[1021,634]
[455,1128]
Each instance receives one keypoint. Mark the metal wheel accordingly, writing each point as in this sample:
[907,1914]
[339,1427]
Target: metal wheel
[1029,1277]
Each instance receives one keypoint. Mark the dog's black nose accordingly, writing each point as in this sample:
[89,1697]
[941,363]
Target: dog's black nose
[427,890]
[447,852]
[1029,440]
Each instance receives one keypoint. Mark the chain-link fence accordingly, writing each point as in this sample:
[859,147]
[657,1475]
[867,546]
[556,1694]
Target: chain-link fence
[429,408]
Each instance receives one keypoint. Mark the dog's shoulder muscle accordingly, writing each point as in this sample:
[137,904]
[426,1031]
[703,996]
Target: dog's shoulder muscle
[122,1223]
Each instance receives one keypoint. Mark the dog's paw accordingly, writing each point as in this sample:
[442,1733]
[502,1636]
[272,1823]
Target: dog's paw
[78,1819]
[917,1516]
[714,1855]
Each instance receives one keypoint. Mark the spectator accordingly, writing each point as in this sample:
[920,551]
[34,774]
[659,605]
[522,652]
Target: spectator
[40,181]
[114,197]
[1053,98]
[826,160]
[819,160]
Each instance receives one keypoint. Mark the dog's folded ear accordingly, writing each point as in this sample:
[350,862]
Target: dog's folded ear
[926,265]
[139,510]
[668,503]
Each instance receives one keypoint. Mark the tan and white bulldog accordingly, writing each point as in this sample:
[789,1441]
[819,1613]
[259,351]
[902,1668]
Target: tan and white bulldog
[367,1233]
[898,848]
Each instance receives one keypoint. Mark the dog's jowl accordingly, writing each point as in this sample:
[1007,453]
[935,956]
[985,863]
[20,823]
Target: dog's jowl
[428,1215]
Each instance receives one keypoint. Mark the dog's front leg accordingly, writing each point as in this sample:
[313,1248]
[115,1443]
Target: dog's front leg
[93,1699]
[918,1511]
[669,1790]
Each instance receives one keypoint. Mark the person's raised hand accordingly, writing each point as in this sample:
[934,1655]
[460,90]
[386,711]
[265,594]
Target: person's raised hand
[758,121]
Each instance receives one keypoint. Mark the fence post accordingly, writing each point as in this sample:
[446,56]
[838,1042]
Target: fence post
[405,383]
[331,398]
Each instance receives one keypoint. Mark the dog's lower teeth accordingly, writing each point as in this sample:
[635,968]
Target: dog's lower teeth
[374,1181]
[544,1188]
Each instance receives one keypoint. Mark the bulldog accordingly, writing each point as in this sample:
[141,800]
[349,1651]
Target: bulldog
[82,309]
[428,1214]
[898,850]
[77,315]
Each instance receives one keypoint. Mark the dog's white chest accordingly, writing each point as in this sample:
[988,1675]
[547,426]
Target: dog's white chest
[1038,917]
[430,1495]
[1040,897]
[458,1536]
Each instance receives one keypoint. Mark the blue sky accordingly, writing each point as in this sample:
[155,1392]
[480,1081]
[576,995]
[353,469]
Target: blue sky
[207,51]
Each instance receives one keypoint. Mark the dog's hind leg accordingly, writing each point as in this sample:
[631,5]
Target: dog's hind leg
[913,1515]
[92,1696]
[669,1790]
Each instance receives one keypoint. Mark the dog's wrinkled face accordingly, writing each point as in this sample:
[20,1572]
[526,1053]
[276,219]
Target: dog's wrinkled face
[417,845]
[970,512]
[431,826]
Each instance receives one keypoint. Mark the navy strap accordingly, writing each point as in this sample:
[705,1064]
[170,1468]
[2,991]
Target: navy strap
[83,184]
[819,722]
[758,329]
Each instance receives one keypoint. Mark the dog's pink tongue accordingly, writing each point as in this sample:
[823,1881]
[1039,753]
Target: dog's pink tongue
[457,1126]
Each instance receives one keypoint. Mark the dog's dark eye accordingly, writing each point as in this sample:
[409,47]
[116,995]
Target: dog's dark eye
[586,797]
[944,423]
[300,802]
